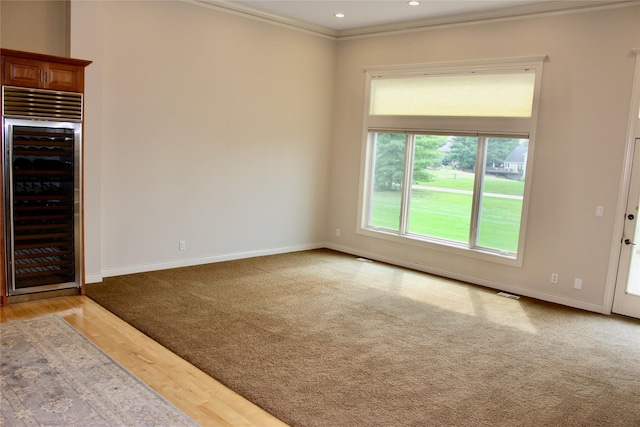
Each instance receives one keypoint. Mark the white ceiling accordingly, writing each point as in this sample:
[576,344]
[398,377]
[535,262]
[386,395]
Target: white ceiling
[377,15]
[364,13]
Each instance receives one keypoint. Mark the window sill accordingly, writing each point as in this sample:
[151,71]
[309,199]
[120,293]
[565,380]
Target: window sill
[444,246]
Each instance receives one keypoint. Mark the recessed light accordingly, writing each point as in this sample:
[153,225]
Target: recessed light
[339,15]
[414,3]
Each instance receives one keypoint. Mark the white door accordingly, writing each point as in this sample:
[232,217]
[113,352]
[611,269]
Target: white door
[627,295]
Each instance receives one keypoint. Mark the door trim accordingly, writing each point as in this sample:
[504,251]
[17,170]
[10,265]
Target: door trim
[633,132]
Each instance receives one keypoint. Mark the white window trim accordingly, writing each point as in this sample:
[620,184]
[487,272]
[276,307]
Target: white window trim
[448,125]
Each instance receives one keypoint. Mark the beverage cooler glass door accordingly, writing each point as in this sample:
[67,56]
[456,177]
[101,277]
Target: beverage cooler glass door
[42,193]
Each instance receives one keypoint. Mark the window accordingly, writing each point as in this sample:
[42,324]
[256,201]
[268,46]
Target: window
[447,156]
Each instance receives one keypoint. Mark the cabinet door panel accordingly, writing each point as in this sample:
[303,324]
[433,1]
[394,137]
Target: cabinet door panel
[23,72]
[64,77]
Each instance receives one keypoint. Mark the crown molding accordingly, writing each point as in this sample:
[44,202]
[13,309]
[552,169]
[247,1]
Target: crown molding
[551,7]
[270,18]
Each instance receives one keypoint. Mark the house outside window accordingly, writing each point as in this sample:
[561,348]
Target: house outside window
[447,153]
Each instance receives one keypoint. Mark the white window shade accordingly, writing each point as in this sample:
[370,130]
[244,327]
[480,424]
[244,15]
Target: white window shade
[469,95]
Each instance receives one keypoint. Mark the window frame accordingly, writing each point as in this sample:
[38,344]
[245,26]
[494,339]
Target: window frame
[481,127]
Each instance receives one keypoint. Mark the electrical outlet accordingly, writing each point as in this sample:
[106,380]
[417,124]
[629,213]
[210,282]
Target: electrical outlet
[577,283]
[554,277]
[182,245]
[337,232]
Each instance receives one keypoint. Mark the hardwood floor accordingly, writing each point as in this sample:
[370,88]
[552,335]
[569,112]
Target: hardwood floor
[201,397]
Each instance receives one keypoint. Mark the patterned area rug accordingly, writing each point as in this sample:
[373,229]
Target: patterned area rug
[52,375]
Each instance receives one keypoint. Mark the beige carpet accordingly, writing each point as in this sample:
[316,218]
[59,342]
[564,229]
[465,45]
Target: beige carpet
[51,375]
[319,338]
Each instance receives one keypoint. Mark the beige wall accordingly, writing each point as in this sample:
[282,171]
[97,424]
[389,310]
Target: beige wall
[578,155]
[35,26]
[204,127]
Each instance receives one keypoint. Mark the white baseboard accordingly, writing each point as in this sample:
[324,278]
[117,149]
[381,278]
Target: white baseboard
[188,262]
[142,268]
[473,280]
[93,278]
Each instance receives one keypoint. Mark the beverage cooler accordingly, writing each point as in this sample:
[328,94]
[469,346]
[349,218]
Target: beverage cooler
[42,189]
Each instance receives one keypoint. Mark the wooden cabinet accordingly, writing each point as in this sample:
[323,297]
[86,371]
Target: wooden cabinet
[25,69]
[34,111]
